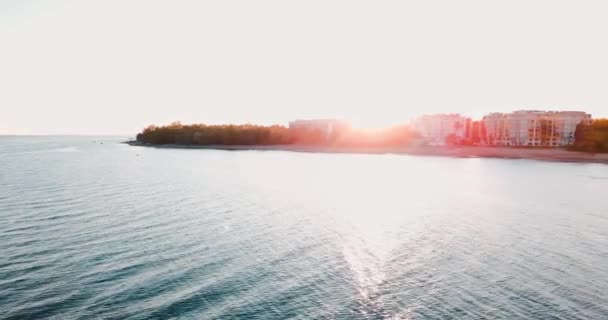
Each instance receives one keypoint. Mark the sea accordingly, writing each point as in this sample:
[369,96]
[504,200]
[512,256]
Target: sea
[91,228]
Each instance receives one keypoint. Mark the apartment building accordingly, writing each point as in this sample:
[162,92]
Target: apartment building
[532,128]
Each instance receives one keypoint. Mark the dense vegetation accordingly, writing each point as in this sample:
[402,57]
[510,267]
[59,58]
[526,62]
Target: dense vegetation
[592,137]
[200,134]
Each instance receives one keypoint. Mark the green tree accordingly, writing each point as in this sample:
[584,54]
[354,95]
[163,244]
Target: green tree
[591,137]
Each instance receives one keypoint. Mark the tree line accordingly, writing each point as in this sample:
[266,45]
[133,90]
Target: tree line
[591,137]
[201,134]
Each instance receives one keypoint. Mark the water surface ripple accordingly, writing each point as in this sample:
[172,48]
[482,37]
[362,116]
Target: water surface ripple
[94,229]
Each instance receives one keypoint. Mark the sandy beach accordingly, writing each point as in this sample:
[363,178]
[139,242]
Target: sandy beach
[544,154]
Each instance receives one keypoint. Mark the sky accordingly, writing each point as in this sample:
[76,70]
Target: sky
[116,66]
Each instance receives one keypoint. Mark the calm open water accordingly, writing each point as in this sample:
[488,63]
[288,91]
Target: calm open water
[108,231]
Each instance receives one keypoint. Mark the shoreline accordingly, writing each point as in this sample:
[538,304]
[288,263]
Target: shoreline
[541,154]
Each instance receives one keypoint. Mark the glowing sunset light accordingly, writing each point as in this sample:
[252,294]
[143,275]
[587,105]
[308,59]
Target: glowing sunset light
[65,69]
[318,159]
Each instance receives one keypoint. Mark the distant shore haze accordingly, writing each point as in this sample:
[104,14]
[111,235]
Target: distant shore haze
[574,130]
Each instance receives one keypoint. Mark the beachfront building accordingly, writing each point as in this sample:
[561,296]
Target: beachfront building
[498,130]
[477,133]
[317,131]
[532,128]
[442,129]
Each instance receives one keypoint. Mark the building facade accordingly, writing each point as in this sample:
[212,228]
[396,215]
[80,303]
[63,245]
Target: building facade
[317,131]
[532,128]
[442,129]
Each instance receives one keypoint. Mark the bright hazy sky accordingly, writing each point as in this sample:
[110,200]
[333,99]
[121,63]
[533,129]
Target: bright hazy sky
[115,66]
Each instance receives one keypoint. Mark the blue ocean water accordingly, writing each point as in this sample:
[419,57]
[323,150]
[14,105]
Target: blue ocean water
[94,229]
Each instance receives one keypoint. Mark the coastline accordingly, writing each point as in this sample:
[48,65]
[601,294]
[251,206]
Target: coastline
[541,154]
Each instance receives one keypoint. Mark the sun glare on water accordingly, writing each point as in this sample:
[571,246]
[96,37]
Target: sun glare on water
[370,211]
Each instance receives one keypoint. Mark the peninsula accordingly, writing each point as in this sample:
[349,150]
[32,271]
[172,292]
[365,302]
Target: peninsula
[334,136]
